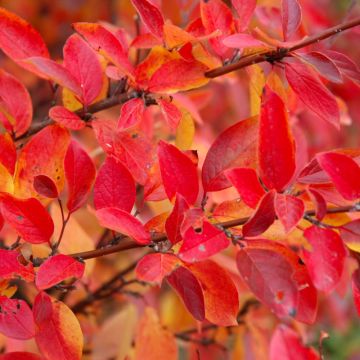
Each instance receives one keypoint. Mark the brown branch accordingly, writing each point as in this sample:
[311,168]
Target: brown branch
[281,52]
[128,243]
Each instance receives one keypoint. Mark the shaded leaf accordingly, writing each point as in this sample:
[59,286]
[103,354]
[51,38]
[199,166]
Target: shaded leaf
[278,277]
[45,186]
[188,287]
[7,152]
[11,266]
[319,202]
[291,17]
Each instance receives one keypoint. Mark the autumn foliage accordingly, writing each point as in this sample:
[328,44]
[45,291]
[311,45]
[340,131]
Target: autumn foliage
[184,184]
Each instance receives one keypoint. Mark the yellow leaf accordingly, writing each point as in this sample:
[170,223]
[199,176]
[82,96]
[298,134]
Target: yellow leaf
[185,131]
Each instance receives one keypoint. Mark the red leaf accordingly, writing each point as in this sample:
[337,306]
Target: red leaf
[83,63]
[114,186]
[11,267]
[54,71]
[291,17]
[19,40]
[20,355]
[344,173]
[131,114]
[276,143]
[312,92]
[150,16]
[201,245]
[107,44]
[216,16]
[67,118]
[278,277]
[319,202]
[124,223]
[263,217]
[247,184]
[346,66]
[80,174]
[286,344]
[245,10]
[154,267]
[16,115]
[356,289]
[178,75]
[227,152]
[28,218]
[175,219]
[57,269]
[58,333]
[7,152]
[171,113]
[45,186]
[324,65]
[16,319]
[350,232]
[326,260]
[221,302]
[189,289]
[178,172]
[33,160]
[289,210]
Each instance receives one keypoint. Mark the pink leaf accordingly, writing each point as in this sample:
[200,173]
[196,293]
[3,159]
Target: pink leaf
[247,184]
[325,261]
[291,17]
[199,245]
[45,186]
[83,63]
[289,210]
[150,16]
[344,173]
[124,223]
[228,152]
[240,41]
[263,217]
[178,172]
[356,289]
[131,113]
[171,113]
[278,277]
[11,267]
[154,267]
[245,10]
[114,186]
[80,174]
[57,269]
[189,289]
[312,92]
[66,118]
[286,344]
[28,218]
[276,143]
[16,319]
